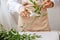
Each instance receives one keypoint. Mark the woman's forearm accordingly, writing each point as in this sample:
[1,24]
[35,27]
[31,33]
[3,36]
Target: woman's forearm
[14,6]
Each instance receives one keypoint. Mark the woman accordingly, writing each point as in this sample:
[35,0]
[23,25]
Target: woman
[40,24]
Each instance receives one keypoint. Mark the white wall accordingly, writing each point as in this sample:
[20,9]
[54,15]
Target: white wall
[54,17]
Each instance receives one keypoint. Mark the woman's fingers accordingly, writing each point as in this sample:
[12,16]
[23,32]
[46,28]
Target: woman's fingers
[21,14]
[48,0]
[27,13]
[24,14]
[29,6]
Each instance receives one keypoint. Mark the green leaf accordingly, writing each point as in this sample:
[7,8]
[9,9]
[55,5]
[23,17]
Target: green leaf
[31,1]
[34,6]
[34,3]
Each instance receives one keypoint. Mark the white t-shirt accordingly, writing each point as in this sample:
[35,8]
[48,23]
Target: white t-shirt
[14,6]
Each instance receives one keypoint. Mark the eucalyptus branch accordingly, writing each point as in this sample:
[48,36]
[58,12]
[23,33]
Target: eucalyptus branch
[37,8]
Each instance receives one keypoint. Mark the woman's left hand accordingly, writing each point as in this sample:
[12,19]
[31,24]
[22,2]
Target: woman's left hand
[48,4]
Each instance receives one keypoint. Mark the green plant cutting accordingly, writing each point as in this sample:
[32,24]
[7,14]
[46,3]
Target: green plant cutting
[14,35]
[37,8]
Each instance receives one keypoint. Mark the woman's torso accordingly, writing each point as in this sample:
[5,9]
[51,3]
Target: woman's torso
[39,24]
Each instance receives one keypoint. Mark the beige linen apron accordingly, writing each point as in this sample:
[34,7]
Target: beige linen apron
[40,24]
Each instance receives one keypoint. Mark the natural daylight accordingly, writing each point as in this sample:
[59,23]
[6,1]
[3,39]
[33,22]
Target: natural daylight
[29,19]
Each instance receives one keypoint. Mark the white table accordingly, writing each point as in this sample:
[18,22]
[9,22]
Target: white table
[45,35]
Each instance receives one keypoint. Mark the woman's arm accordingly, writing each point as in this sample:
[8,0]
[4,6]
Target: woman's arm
[14,6]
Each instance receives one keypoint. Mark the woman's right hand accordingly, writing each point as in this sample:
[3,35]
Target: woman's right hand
[24,13]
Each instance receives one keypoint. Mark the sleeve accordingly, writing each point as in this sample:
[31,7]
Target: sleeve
[14,6]
[56,2]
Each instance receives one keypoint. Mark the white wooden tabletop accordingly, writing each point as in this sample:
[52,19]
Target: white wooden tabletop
[45,35]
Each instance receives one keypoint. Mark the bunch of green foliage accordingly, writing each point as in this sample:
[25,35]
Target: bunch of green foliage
[37,8]
[14,35]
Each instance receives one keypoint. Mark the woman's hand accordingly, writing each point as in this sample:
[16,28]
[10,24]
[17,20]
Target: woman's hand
[24,13]
[48,4]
